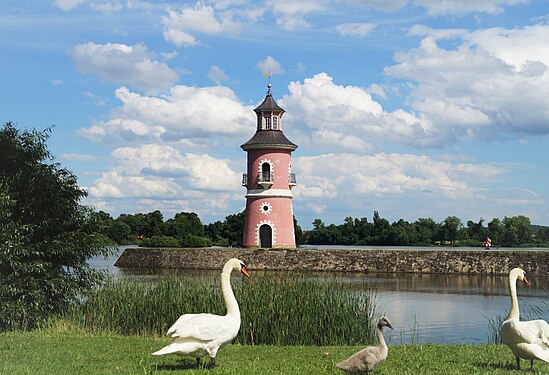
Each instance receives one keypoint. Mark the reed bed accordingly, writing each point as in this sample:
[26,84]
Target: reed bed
[281,311]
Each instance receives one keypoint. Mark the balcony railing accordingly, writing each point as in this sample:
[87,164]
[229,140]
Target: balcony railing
[291,179]
[266,179]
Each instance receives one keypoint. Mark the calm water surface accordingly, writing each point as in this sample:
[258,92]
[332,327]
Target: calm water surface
[422,308]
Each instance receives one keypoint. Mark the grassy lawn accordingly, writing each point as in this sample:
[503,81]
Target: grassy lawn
[79,353]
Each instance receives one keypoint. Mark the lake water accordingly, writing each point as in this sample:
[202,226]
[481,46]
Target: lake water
[422,308]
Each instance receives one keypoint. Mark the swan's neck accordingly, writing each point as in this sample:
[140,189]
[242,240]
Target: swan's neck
[514,312]
[380,338]
[228,295]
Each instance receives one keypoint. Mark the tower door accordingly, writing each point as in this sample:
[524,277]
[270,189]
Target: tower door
[265,236]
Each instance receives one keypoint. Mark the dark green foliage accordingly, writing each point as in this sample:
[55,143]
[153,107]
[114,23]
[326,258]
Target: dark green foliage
[182,225]
[513,231]
[46,235]
[191,240]
[159,241]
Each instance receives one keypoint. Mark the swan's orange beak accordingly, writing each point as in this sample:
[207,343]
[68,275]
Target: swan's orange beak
[526,280]
[244,271]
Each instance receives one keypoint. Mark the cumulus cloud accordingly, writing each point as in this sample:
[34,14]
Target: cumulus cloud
[322,113]
[217,74]
[493,84]
[179,24]
[390,174]
[67,5]
[270,65]
[107,7]
[355,29]
[185,114]
[124,64]
[437,7]
[160,176]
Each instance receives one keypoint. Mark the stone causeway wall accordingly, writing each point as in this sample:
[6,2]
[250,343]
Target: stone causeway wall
[438,261]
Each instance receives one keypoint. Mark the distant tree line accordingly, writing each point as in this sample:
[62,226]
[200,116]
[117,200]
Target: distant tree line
[185,229]
[511,231]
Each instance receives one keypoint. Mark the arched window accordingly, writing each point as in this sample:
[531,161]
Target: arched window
[266,172]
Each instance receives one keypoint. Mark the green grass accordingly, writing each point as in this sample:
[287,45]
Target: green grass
[275,311]
[61,351]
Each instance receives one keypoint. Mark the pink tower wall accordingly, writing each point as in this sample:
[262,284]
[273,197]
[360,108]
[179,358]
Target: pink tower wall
[278,197]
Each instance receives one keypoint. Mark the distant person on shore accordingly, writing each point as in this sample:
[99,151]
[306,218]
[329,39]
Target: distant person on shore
[487,244]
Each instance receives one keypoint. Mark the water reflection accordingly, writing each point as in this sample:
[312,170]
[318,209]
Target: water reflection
[423,308]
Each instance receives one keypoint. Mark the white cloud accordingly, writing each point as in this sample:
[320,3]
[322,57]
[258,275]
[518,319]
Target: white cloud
[270,65]
[201,18]
[318,109]
[180,38]
[355,29]
[67,5]
[107,7]
[494,84]
[186,113]
[347,176]
[290,14]
[125,64]
[169,55]
[161,177]
[217,74]
[383,5]
[437,7]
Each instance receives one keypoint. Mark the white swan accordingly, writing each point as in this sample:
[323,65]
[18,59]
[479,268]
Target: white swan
[526,339]
[368,358]
[198,335]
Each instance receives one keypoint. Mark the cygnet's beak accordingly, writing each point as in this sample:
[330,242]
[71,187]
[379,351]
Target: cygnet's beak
[389,325]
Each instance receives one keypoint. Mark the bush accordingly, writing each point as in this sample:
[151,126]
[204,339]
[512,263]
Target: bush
[159,241]
[191,240]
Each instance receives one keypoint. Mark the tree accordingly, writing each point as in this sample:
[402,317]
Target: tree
[495,231]
[516,231]
[46,235]
[233,228]
[183,224]
[427,230]
[451,228]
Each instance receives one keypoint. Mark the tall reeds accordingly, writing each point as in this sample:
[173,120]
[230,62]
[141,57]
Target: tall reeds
[277,311]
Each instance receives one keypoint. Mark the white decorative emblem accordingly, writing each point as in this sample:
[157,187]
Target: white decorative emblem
[265,208]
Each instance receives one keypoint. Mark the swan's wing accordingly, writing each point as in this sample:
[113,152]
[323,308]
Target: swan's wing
[540,351]
[204,327]
[540,328]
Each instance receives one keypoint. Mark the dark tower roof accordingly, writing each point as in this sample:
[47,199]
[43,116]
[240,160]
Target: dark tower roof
[268,104]
[268,139]
[271,138]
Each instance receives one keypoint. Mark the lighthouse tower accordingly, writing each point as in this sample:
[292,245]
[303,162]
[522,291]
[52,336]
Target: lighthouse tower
[269,180]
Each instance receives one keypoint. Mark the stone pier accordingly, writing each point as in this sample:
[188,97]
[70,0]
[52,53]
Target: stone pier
[437,260]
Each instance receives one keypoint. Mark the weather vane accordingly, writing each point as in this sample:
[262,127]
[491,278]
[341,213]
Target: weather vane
[269,84]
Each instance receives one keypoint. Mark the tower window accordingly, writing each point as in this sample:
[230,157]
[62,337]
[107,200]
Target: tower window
[275,122]
[268,123]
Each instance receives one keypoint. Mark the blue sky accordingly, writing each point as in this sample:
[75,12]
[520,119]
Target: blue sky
[413,108]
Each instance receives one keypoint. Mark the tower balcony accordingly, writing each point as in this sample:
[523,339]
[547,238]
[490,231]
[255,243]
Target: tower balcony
[292,180]
[265,179]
